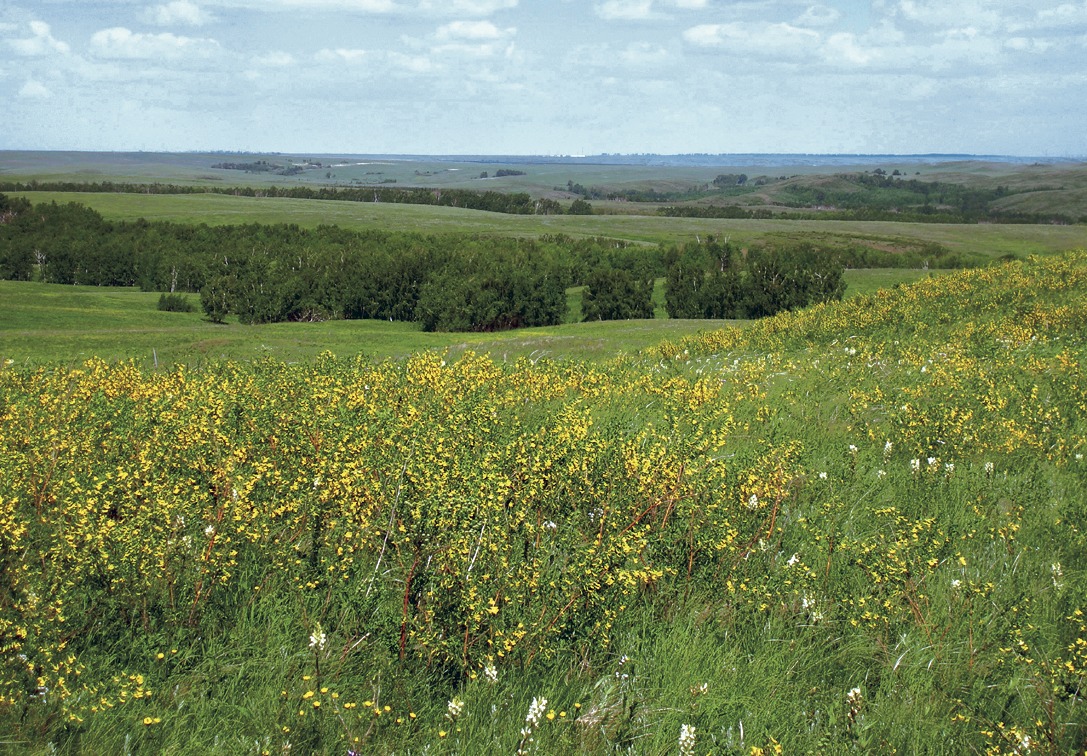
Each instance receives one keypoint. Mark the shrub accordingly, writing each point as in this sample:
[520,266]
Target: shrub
[175,303]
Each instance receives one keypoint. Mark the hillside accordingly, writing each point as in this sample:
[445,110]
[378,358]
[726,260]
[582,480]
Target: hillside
[856,527]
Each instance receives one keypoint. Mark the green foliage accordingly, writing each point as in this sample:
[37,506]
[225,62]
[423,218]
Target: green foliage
[175,303]
[580,207]
[617,294]
[711,281]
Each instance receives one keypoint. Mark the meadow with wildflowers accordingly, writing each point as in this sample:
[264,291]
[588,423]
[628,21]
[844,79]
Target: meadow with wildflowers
[857,527]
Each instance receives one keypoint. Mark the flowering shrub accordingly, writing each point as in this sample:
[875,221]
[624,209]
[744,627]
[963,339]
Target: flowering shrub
[474,521]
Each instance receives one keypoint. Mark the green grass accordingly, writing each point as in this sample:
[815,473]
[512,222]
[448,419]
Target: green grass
[41,323]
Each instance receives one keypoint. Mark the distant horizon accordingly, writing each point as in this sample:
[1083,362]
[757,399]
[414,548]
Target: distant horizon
[693,159]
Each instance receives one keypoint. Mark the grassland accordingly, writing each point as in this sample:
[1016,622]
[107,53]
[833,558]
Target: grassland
[853,528]
[857,528]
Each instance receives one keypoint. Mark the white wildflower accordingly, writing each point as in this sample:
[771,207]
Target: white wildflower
[1058,575]
[454,709]
[753,502]
[318,639]
[852,448]
[915,465]
[988,468]
[881,473]
[687,740]
[955,584]
[536,711]
[491,673]
[887,447]
[793,560]
[855,701]
[822,476]
[209,531]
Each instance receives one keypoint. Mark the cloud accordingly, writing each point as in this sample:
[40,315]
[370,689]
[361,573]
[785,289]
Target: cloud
[340,55]
[274,59]
[42,43]
[472,30]
[756,39]
[625,10]
[179,12]
[119,42]
[469,7]
[952,13]
[34,90]
[818,15]
[642,10]
[643,54]
[361,6]
[843,48]
[1065,15]
[1028,44]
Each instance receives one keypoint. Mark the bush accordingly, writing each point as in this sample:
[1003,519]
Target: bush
[175,303]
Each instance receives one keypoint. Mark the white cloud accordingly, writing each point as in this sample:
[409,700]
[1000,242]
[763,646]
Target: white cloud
[34,90]
[274,59]
[642,10]
[362,6]
[119,42]
[625,10]
[179,12]
[42,43]
[818,15]
[341,55]
[843,48]
[952,13]
[469,7]
[1028,44]
[755,39]
[412,63]
[472,30]
[643,54]
[1065,15]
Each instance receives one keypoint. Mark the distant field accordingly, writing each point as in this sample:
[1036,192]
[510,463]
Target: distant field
[989,240]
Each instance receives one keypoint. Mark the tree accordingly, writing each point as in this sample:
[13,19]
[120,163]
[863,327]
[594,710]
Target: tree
[615,294]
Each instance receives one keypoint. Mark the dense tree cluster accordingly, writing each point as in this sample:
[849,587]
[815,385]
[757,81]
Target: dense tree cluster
[713,280]
[271,273]
[274,273]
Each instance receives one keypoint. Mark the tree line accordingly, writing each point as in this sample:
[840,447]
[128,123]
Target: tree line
[515,203]
[447,282]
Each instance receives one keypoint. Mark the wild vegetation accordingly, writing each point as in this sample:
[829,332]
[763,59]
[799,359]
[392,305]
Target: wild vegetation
[446,282]
[853,527]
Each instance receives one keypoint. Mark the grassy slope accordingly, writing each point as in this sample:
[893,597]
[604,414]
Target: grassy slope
[802,557]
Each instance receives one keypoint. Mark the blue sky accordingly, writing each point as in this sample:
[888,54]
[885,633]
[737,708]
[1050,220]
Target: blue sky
[546,76]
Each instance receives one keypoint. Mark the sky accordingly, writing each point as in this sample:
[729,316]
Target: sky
[553,77]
